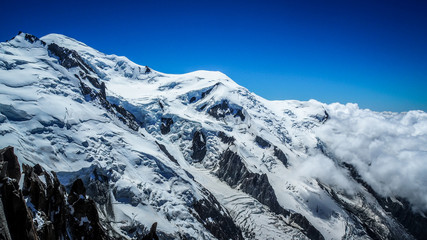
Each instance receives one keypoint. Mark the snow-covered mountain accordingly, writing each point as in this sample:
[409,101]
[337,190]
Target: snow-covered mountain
[204,157]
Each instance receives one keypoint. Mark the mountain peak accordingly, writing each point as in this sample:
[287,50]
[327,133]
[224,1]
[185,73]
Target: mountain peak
[203,157]
[22,38]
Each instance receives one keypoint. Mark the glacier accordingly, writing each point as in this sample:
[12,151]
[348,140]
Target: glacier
[206,158]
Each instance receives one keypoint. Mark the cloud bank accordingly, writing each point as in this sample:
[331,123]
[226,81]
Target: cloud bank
[389,150]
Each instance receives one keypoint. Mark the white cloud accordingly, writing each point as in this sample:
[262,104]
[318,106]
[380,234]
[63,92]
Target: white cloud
[322,168]
[389,150]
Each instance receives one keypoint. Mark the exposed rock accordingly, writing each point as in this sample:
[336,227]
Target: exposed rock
[77,191]
[195,96]
[34,188]
[199,146]
[86,90]
[147,70]
[32,39]
[19,217]
[38,169]
[124,115]
[165,127]
[261,142]
[215,219]
[161,105]
[46,201]
[98,189]
[308,229]
[13,170]
[400,209]
[223,109]
[233,171]
[4,229]
[19,220]
[102,91]
[152,235]
[281,156]
[225,139]
[68,58]
[93,80]
[165,151]
[84,219]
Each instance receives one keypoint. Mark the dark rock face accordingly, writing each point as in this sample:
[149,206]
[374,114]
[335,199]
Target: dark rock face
[84,218]
[233,171]
[16,217]
[98,189]
[17,220]
[193,99]
[199,146]
[152,235]
[86,90]
[4,230]
[322,118]
[225,139]
[281,156]
[165,127]
[93,80]
[261,142]
[32,39]
[77,191]
[11,164]
[68,58]
[165,151]
[203,94]
[223,109]
[308,229]
[102,91]
[215,219]
[48,201]
[413,222]
[124,115]
[374,228]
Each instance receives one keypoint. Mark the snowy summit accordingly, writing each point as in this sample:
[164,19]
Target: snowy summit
[199,155]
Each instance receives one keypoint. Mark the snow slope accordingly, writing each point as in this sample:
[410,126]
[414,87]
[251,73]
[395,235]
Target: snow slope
[161,141]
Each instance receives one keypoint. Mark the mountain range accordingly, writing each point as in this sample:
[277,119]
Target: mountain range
[111,149]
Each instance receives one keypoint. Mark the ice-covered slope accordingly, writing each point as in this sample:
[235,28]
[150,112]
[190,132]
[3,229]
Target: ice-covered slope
[203,156]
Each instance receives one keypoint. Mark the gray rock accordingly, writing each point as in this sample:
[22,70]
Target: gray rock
[13,170]
[199,146]
[233,171]
[165,127]
[261,142]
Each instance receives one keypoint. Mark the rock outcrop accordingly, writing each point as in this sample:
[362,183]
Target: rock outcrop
[199,146]
[233,171]
[223,109]
[215,218]
[165,127]
[43,209]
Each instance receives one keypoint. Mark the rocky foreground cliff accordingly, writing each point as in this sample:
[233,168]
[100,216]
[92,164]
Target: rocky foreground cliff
[40,207]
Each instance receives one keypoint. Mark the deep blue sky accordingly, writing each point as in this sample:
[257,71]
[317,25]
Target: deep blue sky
[373,53]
